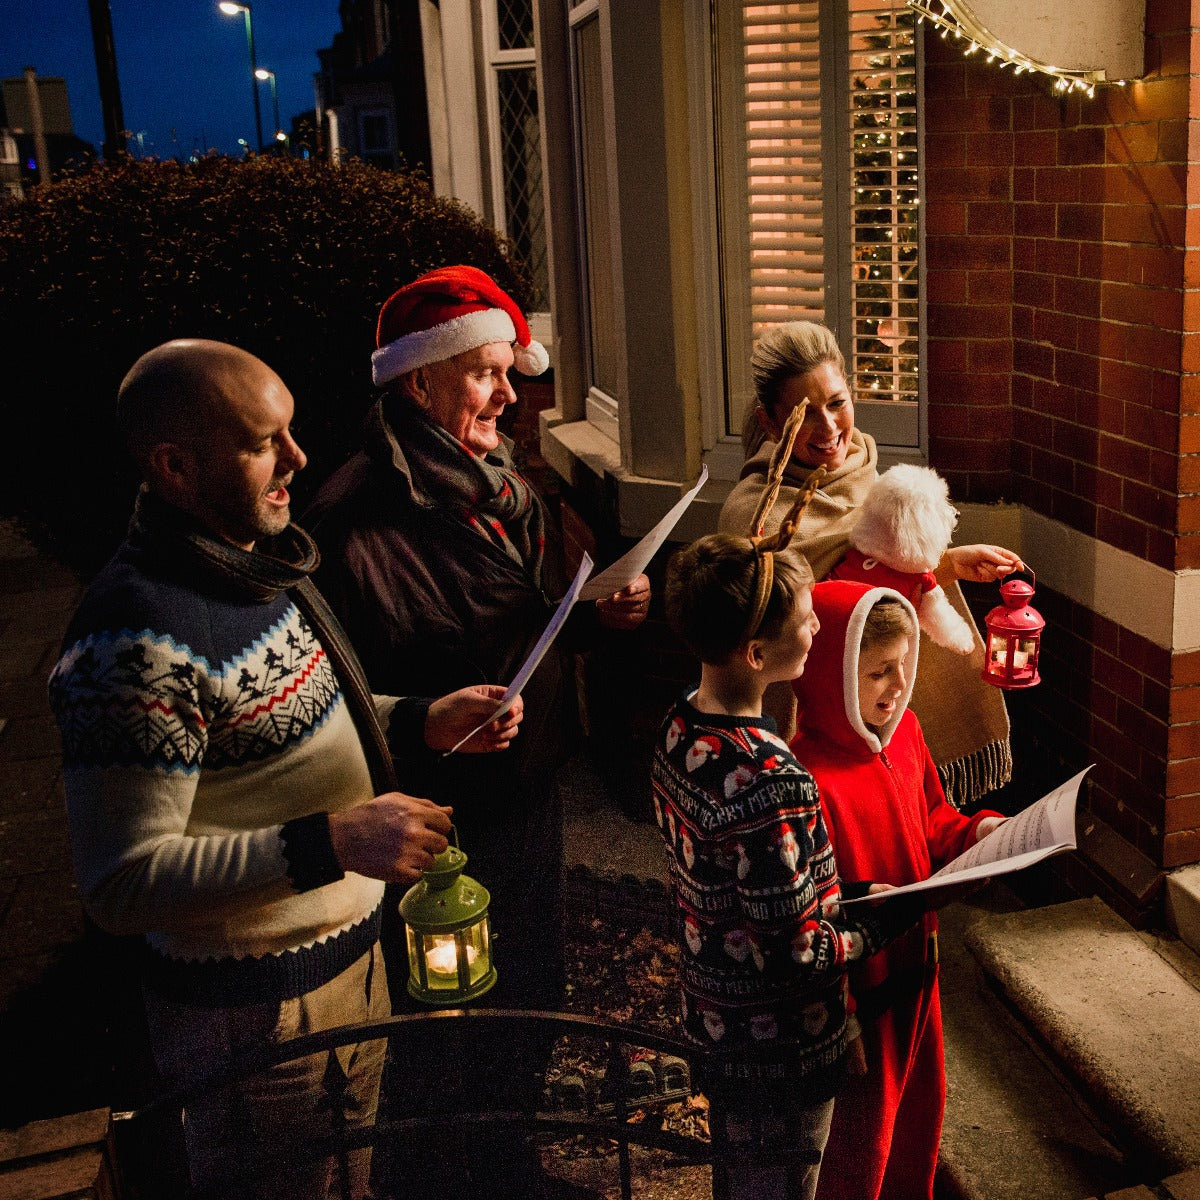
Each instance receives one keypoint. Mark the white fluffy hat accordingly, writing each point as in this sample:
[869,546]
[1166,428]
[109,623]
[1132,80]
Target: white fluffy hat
[906,519]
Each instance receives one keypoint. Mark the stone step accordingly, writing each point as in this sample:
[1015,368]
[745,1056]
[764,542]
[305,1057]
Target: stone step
[1183,905]
[1184,1186]
[1117,1011]
[1014,1128]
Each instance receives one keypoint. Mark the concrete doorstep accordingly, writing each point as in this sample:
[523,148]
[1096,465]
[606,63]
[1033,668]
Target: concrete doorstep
[1183,905]
[1117,1011]
[1013,1128]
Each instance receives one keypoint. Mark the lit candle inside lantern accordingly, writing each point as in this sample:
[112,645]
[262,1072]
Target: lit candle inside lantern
[1020,658]
[446,931]
[443,958]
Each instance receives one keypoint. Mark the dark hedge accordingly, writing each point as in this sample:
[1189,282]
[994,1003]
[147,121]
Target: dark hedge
[285,258]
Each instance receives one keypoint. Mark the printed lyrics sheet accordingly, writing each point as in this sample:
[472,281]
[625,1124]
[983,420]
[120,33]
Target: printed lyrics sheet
[1045,828]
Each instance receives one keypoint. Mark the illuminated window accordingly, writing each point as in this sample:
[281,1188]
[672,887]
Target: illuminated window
[817,145]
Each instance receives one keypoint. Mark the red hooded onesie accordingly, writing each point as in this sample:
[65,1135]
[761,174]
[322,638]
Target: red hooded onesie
[889,820]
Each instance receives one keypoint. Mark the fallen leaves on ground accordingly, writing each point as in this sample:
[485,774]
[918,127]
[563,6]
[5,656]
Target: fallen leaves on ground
[627,977]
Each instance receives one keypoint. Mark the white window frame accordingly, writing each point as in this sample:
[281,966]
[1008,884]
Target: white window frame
[601,408]
[495,61]
[899,433]
[450,43]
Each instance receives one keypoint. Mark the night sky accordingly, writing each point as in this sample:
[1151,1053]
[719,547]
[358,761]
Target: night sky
[183,66]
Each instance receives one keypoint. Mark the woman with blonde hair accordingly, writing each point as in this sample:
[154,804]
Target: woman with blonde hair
[965,721]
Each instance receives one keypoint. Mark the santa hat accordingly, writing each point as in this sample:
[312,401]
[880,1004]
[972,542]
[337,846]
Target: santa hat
[446,312]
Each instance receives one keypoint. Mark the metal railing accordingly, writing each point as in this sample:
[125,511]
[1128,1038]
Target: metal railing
[618,1083]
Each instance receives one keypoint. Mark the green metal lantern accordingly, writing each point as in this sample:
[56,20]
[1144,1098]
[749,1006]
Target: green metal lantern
[449,938]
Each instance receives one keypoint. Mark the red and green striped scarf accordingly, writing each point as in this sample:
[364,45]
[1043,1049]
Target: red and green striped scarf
[485,491]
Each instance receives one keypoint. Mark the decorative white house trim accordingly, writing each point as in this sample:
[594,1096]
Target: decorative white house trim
[447,33]
[1078,46]
[1158,604]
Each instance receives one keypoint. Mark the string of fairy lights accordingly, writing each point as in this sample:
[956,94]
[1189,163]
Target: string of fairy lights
[952,20]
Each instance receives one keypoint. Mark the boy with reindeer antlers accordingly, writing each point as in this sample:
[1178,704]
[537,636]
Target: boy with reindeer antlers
[764,946]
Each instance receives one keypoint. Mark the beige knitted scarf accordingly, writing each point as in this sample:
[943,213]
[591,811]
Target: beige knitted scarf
[823,533]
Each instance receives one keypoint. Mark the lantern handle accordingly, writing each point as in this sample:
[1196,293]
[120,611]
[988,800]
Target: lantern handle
[1024,573]
[453,838]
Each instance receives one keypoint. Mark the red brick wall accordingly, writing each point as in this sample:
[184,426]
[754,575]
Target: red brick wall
[1181,819]
[1061,376]
[1055,235]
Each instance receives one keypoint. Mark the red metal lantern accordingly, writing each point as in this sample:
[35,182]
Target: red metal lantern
[1014,635]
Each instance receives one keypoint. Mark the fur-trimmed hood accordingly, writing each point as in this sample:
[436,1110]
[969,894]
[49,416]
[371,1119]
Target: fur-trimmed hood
[827,692]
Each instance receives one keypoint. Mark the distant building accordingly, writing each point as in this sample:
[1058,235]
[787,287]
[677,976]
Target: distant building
[56,105]
[303,138]
[63,148]
[369,77]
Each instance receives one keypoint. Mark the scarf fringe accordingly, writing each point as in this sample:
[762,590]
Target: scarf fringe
[967,780]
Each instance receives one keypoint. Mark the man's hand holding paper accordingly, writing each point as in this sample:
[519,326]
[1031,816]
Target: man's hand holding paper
[626,573]
[627,608]
[457,718]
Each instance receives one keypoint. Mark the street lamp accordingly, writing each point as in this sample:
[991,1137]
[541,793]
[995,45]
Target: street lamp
[231,9]
[265,73]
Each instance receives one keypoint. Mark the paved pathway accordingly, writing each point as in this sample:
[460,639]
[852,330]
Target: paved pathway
[46,1011]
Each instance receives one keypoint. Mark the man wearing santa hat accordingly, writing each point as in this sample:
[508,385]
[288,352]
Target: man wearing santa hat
[441,561]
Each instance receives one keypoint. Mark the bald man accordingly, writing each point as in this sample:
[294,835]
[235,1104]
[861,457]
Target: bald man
[230,778]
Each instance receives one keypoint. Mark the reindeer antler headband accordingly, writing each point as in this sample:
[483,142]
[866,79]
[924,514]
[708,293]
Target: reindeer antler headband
[765,548]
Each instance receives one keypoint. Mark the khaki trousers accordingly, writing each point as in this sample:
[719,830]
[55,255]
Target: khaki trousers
[250,1140]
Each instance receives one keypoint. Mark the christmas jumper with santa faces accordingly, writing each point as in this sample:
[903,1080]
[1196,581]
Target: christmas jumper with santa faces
[763,939]
[889,820]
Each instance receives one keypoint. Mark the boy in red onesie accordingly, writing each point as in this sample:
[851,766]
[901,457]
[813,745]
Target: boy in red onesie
[887,818]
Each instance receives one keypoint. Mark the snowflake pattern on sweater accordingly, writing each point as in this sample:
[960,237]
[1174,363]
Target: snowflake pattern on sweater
[756,889]
[145,699]
[203,739]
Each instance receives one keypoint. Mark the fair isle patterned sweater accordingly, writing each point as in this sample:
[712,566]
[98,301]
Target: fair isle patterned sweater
[764,945]
[204,742]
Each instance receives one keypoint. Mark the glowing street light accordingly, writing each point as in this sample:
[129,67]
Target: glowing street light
[231,9]
[265,73]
